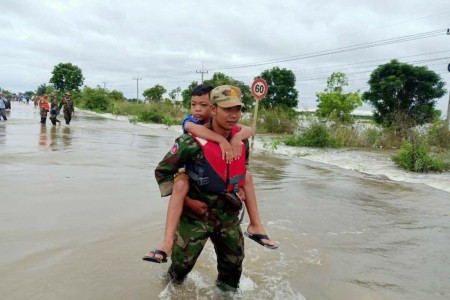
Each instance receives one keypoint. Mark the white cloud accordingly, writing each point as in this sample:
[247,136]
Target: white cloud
[115,41]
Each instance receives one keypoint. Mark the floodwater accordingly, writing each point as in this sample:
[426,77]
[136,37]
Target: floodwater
[80,206]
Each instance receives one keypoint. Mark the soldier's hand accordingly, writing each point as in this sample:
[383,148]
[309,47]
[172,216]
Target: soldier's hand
[241,194]
[194,206]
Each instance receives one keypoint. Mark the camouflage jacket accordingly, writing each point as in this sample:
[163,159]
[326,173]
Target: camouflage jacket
[184,151]
[68,106]
[54,107]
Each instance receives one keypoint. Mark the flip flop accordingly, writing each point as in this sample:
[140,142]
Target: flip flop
[258,238]
[154,259]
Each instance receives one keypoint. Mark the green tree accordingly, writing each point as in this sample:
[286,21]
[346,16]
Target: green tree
[402,94]
[282,92]
[334,104]
[174,93]
[116,95]
[155,93]
[95,99]
[67,77]
[186,94]
[41,90]
[45,89]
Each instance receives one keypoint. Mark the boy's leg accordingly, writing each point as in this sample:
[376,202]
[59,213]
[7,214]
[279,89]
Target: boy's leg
[255,226]
[174,210]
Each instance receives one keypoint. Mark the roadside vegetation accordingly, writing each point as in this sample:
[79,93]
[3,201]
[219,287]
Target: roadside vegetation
[402,97]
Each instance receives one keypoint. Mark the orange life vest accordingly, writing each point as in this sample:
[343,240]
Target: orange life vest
[43,103]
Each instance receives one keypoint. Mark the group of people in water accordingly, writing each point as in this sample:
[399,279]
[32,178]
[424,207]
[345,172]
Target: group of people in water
[52,106]
[47,107]
[205,173]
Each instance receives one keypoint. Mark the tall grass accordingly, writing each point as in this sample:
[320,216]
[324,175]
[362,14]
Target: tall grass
[101,100]
[277,121]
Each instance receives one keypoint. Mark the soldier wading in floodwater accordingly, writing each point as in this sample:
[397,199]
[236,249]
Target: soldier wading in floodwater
[219,221]
[68,107]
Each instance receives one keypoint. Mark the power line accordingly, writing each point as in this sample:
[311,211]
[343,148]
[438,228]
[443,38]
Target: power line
[371,61]
[343,49]
[314,54]
[371,69]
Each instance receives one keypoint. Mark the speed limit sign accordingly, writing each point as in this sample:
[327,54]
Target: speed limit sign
[259,88]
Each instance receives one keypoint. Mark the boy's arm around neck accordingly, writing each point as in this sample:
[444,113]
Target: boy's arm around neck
[245,133]
[208,134]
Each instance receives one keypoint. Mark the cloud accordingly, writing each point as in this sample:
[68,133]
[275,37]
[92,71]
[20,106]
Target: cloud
[167,42]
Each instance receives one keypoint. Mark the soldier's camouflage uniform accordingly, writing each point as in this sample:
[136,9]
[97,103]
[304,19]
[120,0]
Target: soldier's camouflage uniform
[54,111]
[68,109]
[220,223]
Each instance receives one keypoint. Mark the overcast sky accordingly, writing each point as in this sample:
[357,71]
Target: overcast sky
[166,42]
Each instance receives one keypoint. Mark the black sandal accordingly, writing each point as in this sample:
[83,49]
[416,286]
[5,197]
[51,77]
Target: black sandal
[154,259]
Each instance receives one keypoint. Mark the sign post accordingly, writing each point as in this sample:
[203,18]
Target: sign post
[259,91]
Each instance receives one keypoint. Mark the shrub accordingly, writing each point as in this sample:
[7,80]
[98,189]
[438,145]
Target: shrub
[390,139]
[161,113]
[344,136]
[150,116]
[371,138]
[316,135]
[95,99]
[439,135]
[277,121]
[415,156]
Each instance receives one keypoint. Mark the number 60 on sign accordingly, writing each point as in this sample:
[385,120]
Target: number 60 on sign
[259,88]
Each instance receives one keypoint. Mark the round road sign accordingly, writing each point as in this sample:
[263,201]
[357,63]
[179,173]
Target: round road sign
[259,88]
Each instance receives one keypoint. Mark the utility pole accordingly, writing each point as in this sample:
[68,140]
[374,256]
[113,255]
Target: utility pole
[104,84]
[448,111]
[448,105]
[202,71]
[137,87]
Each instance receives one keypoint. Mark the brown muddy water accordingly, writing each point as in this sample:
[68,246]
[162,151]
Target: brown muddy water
[80,206]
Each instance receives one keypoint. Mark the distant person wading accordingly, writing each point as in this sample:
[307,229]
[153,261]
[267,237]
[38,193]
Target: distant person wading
[3,105]
[44,107]
[54,109]
[68,107]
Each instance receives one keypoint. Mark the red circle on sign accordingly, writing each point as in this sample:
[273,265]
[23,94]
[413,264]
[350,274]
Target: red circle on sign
[259,88]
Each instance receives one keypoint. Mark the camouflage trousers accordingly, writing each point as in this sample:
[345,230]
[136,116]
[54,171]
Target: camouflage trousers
[67,117]
[43,113]
[192,236]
